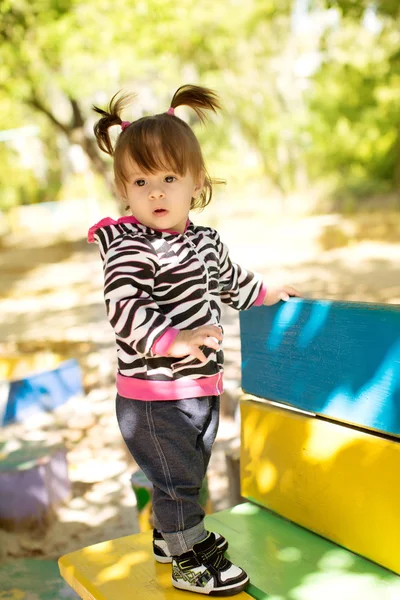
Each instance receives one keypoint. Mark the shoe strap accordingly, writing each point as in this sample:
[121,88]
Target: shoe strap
[188,562]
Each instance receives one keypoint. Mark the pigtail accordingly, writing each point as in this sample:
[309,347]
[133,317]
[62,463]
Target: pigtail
[110,117]
[199,98]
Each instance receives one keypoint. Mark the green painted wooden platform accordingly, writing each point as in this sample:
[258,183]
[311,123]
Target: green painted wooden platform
[33,579]
[287,562]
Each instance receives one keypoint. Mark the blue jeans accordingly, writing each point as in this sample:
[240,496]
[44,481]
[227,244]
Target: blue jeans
[171,441]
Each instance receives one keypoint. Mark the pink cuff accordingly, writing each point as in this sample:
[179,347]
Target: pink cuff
[162,344]
[261,296]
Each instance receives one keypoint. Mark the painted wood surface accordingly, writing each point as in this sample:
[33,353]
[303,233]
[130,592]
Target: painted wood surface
[33,482]
[286,562]
[334,480]
[33,579]
[35,393]
[338,359]
[122,569]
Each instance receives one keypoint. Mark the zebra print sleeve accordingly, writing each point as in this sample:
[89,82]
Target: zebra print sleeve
[130,266]
[238,288]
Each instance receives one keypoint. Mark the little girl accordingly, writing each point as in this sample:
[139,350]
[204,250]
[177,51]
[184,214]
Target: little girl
[164,277]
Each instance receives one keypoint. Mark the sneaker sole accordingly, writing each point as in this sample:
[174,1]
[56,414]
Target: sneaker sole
[163,559]
[168,559]
[227,591]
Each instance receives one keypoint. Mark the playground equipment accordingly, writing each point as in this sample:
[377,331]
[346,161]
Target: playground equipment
[30,385]
[320,454]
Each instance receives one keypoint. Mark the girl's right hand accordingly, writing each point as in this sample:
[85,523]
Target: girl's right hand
[189,341]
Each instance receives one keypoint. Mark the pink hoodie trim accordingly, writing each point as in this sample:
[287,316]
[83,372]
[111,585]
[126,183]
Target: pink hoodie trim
[180,389]
[261,296]
[109,221]
[162,344]
[128,219]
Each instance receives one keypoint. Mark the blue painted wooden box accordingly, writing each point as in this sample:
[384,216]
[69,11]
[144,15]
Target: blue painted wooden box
[39,392]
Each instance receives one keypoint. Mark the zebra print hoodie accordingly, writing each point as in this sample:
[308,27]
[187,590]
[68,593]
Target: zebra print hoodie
[156,283]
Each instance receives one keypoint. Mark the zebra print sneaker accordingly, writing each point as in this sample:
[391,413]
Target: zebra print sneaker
[205,570]
[160,548]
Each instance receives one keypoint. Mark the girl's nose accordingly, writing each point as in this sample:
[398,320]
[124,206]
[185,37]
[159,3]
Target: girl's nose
[156,193]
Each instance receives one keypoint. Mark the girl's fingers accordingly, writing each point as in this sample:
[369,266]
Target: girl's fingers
[211,342]
[292,291]
[209,331]
[197,353]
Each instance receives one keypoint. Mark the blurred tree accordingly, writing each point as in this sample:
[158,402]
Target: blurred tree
[58,57]
[37,36]
[354,102]
[284,119]
[357,8]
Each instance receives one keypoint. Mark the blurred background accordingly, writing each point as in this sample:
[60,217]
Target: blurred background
[308,142]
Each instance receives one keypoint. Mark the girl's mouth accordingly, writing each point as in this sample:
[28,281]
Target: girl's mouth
[160,212]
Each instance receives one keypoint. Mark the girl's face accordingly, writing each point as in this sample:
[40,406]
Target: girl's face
[161,200]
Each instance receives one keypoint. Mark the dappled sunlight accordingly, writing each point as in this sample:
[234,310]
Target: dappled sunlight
[346,586]
[322,448]
[318,316]
[287,317]
[305,464]
[334,359]
[335,560]
[288,561]
[101,548]
[289,554]
[367,402]
[267,476]
[122,566]
[308,141]
[245,509]
[258,436]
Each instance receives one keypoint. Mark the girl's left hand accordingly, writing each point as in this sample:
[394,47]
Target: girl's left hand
[276,294]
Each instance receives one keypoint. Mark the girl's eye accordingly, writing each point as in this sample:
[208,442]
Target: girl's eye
[170,179]
[140,182]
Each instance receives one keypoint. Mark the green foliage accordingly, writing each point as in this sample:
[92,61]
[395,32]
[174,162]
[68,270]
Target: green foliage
[354,106]
[342,121]
[356,8]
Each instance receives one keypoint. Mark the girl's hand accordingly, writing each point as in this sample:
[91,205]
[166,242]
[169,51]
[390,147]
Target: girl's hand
[274,295]
[189,341]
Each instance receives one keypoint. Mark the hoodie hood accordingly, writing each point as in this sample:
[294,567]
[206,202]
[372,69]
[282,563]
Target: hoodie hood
[107,222]
[107,230]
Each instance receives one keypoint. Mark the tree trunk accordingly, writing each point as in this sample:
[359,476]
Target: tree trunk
[74,131]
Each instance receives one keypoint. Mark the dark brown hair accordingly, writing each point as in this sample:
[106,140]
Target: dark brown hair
[159,142]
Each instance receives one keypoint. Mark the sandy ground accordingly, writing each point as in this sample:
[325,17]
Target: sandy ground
[51,299]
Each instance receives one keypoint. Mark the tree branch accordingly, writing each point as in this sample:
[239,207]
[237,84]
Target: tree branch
[35,102]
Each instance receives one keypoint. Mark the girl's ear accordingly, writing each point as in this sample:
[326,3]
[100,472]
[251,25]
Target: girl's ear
[122,196]
[199,184]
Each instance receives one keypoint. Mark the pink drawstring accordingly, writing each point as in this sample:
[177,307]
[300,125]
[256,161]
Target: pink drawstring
[171,111]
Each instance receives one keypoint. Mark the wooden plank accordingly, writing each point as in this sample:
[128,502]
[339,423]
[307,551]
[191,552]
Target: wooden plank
[40,392]
[33,482]
[121,569]
[33,579]
[336,481]
[287,562]
[339,359]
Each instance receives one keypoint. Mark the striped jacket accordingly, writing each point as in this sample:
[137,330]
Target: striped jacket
[157,283]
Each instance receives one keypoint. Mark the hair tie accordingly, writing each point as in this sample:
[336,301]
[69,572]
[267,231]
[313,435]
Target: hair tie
[125,124]
[171,111]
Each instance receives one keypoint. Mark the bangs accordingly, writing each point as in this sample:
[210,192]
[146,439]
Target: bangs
[158,143]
